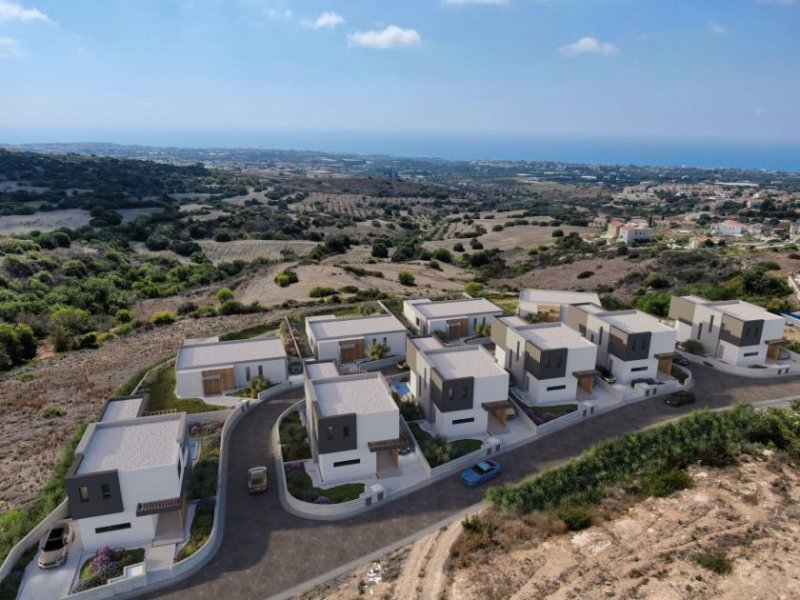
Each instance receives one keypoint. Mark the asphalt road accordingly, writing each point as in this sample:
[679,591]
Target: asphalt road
[267,551]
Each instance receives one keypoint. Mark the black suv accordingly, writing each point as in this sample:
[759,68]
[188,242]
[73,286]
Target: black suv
[680,398]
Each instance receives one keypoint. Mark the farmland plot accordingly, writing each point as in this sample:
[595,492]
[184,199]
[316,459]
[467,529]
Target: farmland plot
[73,218]
[249,250]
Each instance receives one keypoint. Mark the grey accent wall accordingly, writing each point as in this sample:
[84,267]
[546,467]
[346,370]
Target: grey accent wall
[681,310]
[545,364]
[339,442]
[96,505]
[741,333]
[499,332]
[576,317]
[449,395]
[632,346]
[411,355]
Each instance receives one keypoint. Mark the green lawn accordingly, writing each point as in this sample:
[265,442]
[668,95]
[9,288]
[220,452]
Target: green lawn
[556,409]
[298,482]
[162,395]
[437,450]
[507,303]
[251,332]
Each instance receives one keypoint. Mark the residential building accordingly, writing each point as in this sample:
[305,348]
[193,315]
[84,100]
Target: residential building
[128,481]
[210,367]
[630,344]
[453,318]
[612,232]
[456,386]
[353,422]
[736,332]
[729,227]
[551,305]
[632,233]
[346,339]
[548,362]
[123,408]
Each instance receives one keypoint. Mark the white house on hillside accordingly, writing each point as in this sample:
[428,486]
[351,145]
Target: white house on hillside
[211,368]
[454,318]
[551,305]
[346,339]
[548,362]
[630,344]
[353,422]
[736,332]
[128,481]
[457,387]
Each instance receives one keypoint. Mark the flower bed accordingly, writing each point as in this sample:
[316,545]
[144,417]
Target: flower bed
[202,523]
[544,414]
[106,564]
[438,450]
[294,438]
[206,470]
[299,484]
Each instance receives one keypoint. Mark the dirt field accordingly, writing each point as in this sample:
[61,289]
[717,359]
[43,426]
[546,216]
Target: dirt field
[72,218]
[650,550]
[77,383]
[249,250]
[518,236]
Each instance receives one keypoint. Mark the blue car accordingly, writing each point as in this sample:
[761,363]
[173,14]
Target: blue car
[480,473]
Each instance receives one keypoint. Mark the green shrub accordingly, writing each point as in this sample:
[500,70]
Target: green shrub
[406,278]
[585,274]
[162,317]
[665,483]
[321,291]
[575,517]
[52,412]
[225,294]
[718,562]
[286,278]
[693,347]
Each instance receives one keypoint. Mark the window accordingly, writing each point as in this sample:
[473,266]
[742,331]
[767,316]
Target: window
[247,373]
[374,341]
[750,354]
[346,431]
[699,330]
[261,371]
[517,350]
[711,324]
[450,393]
[329,433]
[180,468]
[84,492]
[591,338]
[463,421]
[347,463]
[475,322]
[637,369]
[561,358]
[464,392]
[554,388]
[600,337]
[105,489]
[108,528]
[384,340]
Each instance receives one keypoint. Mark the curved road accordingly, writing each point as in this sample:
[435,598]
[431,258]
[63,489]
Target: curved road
[267,551]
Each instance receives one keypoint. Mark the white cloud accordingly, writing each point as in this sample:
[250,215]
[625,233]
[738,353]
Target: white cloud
[589,45]
[11,11]
[391,37]
[9,47]
[326,20]
[717,29]
[484,2]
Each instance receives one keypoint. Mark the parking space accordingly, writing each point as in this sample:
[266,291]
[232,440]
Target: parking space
[38,584]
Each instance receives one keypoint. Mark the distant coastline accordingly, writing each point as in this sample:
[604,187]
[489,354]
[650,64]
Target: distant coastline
[782,156]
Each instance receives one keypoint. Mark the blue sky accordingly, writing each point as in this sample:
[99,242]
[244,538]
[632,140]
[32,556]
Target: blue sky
[684,69]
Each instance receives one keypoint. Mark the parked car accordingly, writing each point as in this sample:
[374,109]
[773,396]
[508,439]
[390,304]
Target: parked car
[54,549]
[480,473]
[681,360]
[402,366]
[680,398]
[606,375]
[257,480]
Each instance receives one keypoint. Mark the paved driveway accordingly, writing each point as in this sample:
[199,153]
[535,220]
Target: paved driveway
[266,550]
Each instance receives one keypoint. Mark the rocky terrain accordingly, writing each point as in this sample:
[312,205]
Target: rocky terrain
[69,389]
[744,518]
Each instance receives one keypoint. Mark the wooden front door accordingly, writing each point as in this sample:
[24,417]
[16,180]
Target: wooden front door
[586,384]
[351,351]
[212,386]
[665,365]
[216,381]
[457,328]
[774,351]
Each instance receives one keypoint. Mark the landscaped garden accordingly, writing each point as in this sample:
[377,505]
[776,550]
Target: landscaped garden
[106,564]
[206,470]
[299,484]
[543,414]
[437,450]
[160,384]
[202,523]
[294,438]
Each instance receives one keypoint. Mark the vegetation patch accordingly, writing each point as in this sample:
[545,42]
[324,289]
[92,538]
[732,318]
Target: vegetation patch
[294,438]
[543,414]
[299,484]
[717,562]
[200,531]
[437,450]
[161,387]
[106,564]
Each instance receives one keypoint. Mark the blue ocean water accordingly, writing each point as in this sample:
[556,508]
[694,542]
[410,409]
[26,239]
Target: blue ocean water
[783,156]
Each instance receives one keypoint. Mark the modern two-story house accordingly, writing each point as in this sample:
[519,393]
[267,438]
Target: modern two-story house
[346,339]
[548,362]
[736,332]
[630,344]
[453,318]
[353,422]
[210,367]
[551,305]
[128,482]
[456,387]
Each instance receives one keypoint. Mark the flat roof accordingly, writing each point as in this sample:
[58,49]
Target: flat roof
[549,336]
[132,445]
[558,297]
[633,321]
[425,344]
[322,370]
[195,356]
[464,361]
[455,308]
[121,409]
[352,327]
[739,309]
[361,394]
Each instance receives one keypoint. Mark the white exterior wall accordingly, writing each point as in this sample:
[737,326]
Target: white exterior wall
[661,342]
[370,427]
[143,485]
[329,349]
[578,359]
[412,316]
[444,422]
[274,371]
[683,331]
[735,355]
[188,384]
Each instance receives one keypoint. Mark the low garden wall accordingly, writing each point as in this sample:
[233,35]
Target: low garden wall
[33,537]
[381,363]
[789,368]
[131,582]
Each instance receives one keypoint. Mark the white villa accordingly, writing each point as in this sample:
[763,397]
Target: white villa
[454,318]
[346,339]
[551,305]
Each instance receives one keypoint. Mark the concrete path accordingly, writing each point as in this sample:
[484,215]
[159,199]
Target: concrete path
[267,551]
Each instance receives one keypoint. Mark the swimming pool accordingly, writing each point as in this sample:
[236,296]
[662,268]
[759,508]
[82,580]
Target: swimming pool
[402,389]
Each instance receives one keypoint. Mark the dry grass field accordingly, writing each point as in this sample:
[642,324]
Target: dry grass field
[72,218]
[518,236]
[248,250]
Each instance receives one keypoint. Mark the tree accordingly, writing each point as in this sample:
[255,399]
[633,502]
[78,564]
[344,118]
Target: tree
[225,294]
[406,278]
[458,247]
[557,233]
[474,288]
[379,250]
[66,324]
[655,303]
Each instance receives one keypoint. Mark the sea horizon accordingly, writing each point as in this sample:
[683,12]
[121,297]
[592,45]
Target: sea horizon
[656,152]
